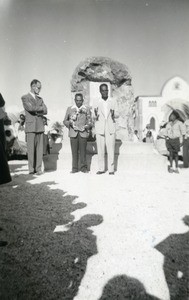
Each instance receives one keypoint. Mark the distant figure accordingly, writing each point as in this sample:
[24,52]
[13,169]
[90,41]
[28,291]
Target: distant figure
[186,145]
[105,112]
[174,133]
[20,128]
[10,135]
[148,135]
[34,128]
[46,146]
[4,167]
[136,137]
[78,121]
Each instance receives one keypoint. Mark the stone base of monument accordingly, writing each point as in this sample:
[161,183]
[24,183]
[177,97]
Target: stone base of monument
[129,157]
[141,157]
[50,160]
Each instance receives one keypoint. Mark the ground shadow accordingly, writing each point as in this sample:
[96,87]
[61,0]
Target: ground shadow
[15,168]
[125,288]
[175,249]
[39,263]
[18,157]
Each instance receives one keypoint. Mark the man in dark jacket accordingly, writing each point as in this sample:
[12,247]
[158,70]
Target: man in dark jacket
[34,127]
[78,121]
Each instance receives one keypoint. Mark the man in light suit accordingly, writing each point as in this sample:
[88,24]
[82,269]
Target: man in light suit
[105,112]
[34,126]
[78,121]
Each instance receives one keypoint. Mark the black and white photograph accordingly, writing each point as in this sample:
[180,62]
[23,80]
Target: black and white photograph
[94,150]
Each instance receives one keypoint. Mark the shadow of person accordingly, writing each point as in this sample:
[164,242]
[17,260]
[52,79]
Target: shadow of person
[14,168]
[125,288]
[80,245]
[175,249]
[40,263]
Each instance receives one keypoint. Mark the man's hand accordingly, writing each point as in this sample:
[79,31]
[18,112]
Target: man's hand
[82,129]
[96,113]
[112,115]
[86,127]
[71,123]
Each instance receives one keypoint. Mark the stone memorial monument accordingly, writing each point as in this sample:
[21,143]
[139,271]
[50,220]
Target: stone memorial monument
[129,156]
[90,73]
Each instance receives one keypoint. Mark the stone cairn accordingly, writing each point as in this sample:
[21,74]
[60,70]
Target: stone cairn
[103,69]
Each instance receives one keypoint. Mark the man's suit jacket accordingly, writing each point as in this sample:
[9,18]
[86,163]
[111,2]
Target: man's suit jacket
[83,118]
[101,121]
[34,111]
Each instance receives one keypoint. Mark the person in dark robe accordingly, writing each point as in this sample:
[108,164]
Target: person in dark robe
[4,167]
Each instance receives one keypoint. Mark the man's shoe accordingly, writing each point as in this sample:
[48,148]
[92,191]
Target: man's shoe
[31,173]
[170,169]
[72,172]
[176,171]
[111,173]
[100,172]
[39,173]
[85,171]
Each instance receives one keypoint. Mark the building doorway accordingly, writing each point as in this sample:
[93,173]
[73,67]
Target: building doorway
[153,123]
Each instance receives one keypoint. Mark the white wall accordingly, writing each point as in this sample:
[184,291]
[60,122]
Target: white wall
[176,90]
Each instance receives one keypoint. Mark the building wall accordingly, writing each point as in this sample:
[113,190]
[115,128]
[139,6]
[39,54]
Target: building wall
[174,93]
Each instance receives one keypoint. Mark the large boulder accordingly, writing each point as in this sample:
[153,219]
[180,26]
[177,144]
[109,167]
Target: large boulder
[100,69]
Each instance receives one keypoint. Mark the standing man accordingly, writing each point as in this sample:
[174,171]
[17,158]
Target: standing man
[78,121]
[174,133]
[105,113]
[34,126]
[186,145]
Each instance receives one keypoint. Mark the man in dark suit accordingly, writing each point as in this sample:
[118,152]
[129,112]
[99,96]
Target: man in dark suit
[34,126]
[78,121]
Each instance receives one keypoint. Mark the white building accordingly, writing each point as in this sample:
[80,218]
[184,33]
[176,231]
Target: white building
[155,109]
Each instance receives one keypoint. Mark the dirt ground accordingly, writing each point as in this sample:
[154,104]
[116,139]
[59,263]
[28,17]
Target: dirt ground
[37,263]
[80,236]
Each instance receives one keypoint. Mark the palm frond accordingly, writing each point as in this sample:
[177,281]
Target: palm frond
[58,127]
[186,109]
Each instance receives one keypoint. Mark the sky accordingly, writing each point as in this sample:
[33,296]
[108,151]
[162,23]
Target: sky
[47,39]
